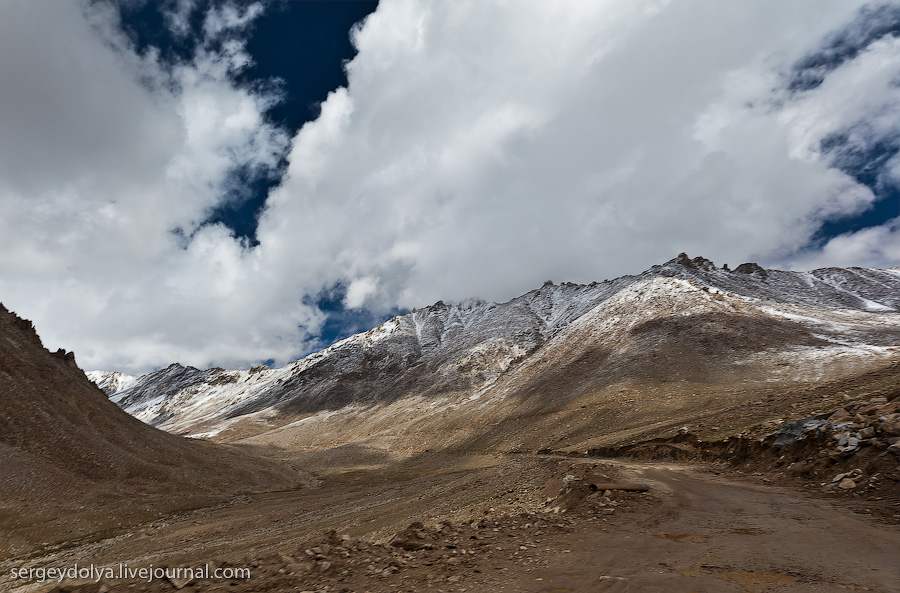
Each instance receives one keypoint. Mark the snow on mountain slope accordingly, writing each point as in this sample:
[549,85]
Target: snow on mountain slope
[660,352]
[446,355]
[690,331]
[111,381]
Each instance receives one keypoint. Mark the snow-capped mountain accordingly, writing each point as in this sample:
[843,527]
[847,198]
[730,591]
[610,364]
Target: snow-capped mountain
[685,320]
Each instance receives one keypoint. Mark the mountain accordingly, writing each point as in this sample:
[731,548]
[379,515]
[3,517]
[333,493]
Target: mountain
[563,365]
[73,463]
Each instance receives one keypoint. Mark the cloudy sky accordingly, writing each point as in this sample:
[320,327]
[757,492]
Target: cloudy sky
[223,184]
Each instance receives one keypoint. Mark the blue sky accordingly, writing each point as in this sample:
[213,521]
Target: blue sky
[228,183]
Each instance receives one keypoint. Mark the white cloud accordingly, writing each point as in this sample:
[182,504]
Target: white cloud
[103,154]
[479,149]
[876,246]
[229,17]
[358,291]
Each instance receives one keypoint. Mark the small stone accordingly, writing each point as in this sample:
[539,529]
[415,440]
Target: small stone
[867,433]
[847,484]
[298,567]
[179,583]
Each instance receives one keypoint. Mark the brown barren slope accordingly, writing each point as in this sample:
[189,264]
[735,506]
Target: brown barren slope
[73,464]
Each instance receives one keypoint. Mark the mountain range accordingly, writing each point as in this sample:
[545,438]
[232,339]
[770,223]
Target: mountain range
[565,366]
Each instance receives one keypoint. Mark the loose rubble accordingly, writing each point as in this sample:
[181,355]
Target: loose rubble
[445,556]
[875,423]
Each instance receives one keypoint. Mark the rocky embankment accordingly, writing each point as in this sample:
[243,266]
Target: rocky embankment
[850,452]
[875,423]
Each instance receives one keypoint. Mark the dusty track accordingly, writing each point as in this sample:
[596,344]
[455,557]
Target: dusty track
[697,531]
[712,534]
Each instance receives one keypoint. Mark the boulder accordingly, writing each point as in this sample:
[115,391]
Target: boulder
[796,430]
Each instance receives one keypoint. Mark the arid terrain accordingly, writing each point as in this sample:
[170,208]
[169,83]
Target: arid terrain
[688,429]
[698,528]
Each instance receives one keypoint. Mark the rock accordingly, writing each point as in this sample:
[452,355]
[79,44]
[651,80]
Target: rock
[839,415]
[867,433]
[889,408]
[890,428]
[847,484]
[179,583]
[838,478]
[895,448]
[412,538]
[299,567]
[796,430]
[752,268]
[331,536]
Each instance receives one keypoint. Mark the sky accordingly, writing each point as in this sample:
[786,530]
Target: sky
[223,184]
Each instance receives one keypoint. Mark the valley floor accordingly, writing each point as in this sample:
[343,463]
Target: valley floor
[698,529]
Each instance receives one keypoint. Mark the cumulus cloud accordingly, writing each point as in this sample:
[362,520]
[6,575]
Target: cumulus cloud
[110,161]
[877,246]
[478,149]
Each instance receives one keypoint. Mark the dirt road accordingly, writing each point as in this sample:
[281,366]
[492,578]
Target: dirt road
[696,531]
[712,534]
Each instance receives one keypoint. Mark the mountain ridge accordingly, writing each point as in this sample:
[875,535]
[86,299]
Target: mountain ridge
[446,356]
